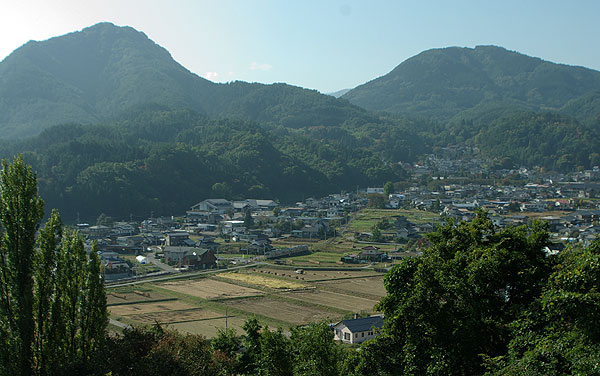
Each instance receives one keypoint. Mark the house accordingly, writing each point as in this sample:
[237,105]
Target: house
[374,190]
[189,256]
[176,239]
[357,330]
[216,205]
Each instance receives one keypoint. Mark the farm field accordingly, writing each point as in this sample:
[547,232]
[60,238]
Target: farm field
[143,308]
[170,317]
[316,275]
[262,281]
[335,300]
[365,219]
[115,297]
[210,289]
[283,299]
[294,314]
[365,287]
[209,328]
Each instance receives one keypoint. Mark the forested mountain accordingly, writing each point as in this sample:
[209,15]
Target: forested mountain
[113,124]
[93,75]
[440,83]
[155,159]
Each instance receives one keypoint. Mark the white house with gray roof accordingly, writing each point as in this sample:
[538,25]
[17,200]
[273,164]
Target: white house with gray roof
[357,330]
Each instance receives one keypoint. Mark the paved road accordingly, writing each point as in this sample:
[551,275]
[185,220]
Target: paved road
[150,257]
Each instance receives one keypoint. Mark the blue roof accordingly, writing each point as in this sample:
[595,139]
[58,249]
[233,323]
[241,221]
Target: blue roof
[364,324]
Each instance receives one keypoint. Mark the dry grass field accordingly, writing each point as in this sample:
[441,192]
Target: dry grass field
[171,317]
[115,297]
[365,287]
[315,275]
[263,281]
[144,308]
[279,297]
[210,289]
[291,313]
[209,328]
[335,300]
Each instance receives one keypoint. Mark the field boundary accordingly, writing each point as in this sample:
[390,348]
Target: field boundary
[141,302]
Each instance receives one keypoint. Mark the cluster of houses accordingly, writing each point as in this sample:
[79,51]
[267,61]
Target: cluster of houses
[560,200]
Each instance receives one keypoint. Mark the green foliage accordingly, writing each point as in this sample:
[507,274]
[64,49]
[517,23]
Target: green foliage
[559,335]
[441,83]
[276,358]
[52,301]
[376,201]
[455,302]
[388,188]
[21,211]
[315,351]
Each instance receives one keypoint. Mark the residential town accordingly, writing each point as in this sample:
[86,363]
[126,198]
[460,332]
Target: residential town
[217,232]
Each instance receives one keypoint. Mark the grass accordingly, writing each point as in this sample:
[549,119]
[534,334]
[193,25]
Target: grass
[263,281]
[321,257]
[365,219]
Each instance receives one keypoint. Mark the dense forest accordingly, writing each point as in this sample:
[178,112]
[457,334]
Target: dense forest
[155,159]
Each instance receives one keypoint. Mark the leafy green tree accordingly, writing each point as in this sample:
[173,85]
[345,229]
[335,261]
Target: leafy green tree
[276,357]
[44,286]
[251,341]
[446,308]
[376,236]
[376,201]
[221,190]
[388,188]
[248,219]
[227,342]
[94,316]
[315,351]
[21,211]
[559,334]
[52,302]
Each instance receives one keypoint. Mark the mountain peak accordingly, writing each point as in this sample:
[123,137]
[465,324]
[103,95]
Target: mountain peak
[441,83]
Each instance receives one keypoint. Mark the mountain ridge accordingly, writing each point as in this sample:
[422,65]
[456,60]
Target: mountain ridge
[94,74]
[441,83]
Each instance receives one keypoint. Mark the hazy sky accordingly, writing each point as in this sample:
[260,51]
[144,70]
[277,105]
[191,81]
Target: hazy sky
[319,44]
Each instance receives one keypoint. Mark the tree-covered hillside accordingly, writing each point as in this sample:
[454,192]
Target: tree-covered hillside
[440,83]
[96,74]
[161,160]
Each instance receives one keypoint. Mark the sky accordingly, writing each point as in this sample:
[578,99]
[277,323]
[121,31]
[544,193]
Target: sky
[327,45]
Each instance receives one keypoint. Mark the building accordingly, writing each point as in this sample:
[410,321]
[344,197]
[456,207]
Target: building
[196,258]
[357,330]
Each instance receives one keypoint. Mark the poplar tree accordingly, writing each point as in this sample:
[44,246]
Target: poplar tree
[44,288]
[52,299]
[21,211]
[94,317]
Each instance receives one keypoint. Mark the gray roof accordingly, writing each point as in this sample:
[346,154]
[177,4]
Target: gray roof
[364,324]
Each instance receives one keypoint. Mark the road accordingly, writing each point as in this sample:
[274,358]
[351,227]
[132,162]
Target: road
[181,275]
[119,324]
[150,258]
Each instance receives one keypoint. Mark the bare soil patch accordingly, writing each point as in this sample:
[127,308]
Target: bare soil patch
[282,310]
[145,308]
[209,328]
[335,300]
[210,289]
[115,297]
[372,288]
